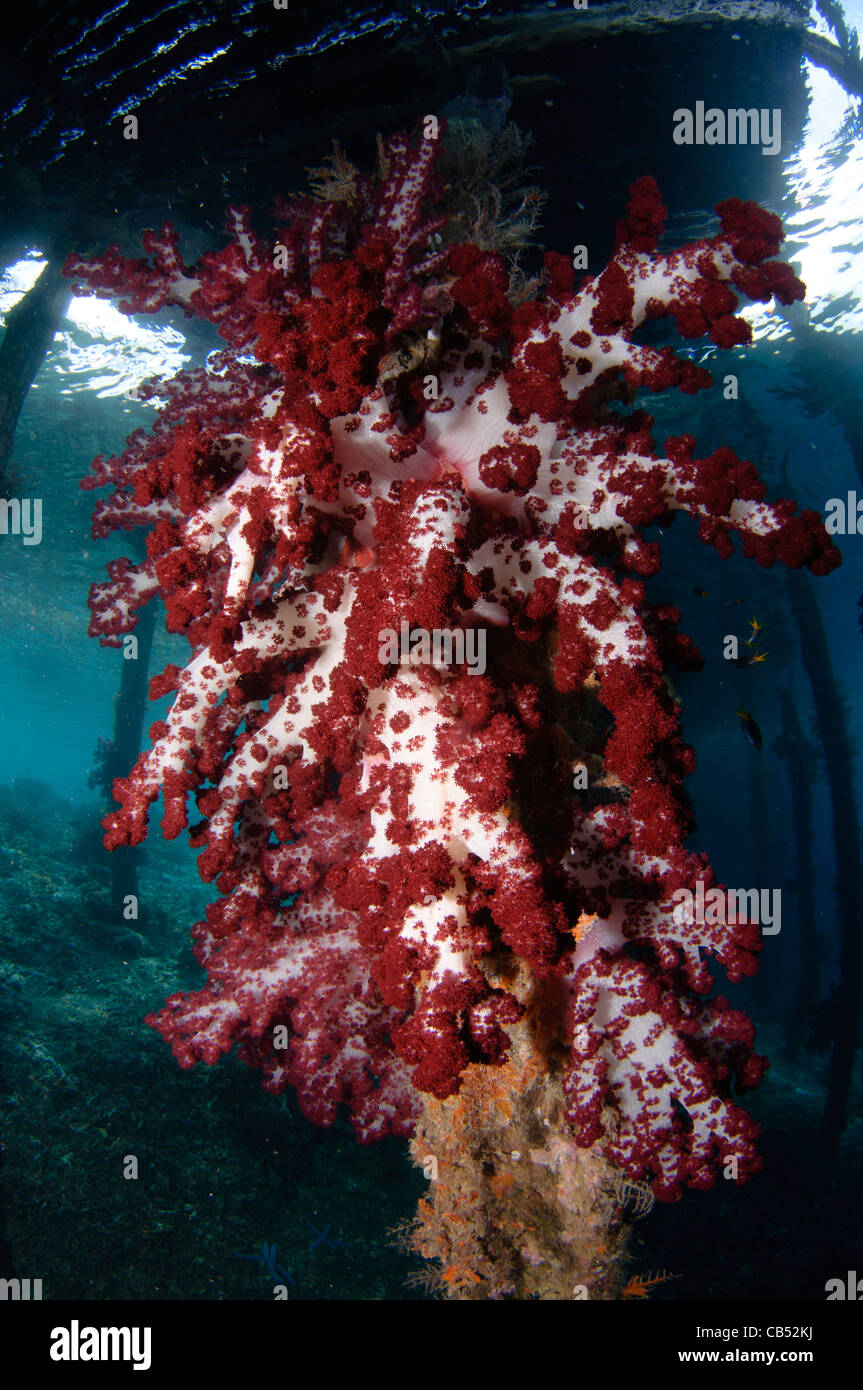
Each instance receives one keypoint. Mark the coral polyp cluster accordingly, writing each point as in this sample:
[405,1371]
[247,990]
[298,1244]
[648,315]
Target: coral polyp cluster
[408,881]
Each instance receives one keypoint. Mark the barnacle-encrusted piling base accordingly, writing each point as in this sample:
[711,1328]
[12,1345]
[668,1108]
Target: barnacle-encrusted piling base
[515,1209]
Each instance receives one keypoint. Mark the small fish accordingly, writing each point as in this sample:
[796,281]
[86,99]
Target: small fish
[670,687]
[754,629]
[356,557]
[750,728]
[700,593]
[748,659]
[732,603]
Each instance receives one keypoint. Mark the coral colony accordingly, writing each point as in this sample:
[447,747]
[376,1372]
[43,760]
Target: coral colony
[447,894]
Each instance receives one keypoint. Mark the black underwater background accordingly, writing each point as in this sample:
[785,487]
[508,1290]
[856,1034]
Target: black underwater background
[237,99]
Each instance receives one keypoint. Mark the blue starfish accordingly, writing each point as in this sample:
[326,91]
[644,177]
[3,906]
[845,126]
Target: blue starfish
[323,1238]
[266,1257]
